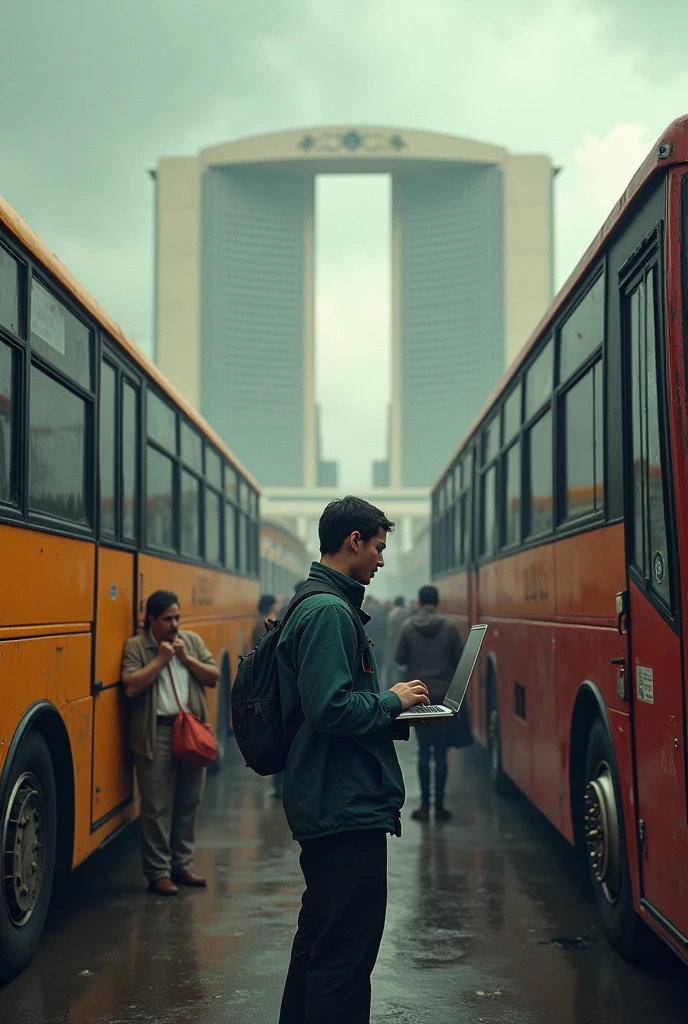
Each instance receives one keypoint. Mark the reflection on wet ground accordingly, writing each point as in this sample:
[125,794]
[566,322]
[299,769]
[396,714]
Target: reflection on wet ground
[490,920]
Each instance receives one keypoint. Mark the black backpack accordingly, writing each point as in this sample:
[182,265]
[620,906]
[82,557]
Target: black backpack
[256,710]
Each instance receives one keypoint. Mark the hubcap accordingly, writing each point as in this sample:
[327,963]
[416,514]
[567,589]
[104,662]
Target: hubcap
[602,831]
[23,848]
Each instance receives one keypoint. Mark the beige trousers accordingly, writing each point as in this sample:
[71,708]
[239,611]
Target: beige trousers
[170,795]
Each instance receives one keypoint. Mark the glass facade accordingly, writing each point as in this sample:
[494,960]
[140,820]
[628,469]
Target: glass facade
[451,248]
[253,231]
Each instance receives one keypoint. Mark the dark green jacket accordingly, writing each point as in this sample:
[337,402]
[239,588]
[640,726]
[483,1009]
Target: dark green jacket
[342,772]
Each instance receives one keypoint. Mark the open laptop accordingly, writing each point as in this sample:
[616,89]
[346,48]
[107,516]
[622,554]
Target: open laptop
[451,705]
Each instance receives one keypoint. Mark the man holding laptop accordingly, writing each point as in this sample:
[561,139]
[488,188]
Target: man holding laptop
[343,787]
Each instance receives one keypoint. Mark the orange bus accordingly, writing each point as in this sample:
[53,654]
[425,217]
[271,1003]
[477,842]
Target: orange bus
[562,521]
[111,486]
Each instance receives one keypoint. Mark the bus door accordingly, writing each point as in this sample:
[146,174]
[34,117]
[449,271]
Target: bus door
[654,668]
[112,777]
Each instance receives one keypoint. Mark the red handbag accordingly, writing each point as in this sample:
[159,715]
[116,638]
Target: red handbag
[193,742]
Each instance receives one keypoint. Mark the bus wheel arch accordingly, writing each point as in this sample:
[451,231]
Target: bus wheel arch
[598,821]
[501,783]
[36,826]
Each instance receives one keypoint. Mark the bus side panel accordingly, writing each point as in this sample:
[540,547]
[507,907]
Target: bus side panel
[46,579]
[52,668]
[590,570]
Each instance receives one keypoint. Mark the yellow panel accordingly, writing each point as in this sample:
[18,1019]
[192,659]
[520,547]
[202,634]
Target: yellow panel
[44,578]
[112,771]
[115,622]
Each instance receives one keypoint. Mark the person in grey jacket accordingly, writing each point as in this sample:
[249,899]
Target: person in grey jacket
[430,646]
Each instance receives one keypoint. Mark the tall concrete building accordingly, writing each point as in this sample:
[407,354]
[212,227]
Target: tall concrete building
[471,272]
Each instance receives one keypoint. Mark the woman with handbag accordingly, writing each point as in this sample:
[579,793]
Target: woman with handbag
[164,673]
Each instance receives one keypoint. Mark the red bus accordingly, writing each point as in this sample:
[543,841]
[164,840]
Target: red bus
[562,521]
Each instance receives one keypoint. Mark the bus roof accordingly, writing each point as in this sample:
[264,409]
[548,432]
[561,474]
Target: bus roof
[671,148]
[11,219]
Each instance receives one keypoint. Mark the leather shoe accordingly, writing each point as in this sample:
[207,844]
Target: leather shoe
[422,814]
[163,887]
[190,878]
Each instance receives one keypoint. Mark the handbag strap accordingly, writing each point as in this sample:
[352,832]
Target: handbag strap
[169,669]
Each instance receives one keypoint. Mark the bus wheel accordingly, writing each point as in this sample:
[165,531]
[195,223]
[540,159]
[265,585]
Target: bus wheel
[28,826]
[221,723]
[500,781]
[606,848]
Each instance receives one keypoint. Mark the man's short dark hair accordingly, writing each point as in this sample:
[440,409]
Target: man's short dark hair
[344,515]
[400,601]
[428,595]
[157,603]
[266,602]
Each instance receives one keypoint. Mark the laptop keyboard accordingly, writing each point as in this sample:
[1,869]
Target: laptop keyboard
[427,709]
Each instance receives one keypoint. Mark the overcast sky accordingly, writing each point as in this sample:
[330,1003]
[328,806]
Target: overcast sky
[93,94]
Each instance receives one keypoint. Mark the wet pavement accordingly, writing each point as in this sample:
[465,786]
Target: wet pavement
[489,920]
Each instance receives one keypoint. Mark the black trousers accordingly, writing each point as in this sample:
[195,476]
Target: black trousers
[340,926]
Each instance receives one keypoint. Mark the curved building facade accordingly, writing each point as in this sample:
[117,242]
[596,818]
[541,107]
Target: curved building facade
[234,307]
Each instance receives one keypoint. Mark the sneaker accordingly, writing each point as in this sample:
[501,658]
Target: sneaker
[422,814]
[441,813]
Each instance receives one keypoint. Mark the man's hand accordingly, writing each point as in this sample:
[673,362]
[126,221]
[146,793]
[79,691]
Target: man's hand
[411,694]
[179,649]
[166,652]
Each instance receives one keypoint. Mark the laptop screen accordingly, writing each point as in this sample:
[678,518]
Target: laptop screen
[469,656]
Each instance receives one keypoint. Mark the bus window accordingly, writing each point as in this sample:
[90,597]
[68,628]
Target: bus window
[107,446]
[162,423]
[583,331]
[9,291]
[539,381]
[7,490]
[512,415]
[491,441]
[191,527]
[488,521]
[160,500]
[650,549]
[59,337]
[192,448]
[540,476]
[230,536]
[213,468]
[583,464]
[130,443]
[512,495]
[57,449]
[213,526]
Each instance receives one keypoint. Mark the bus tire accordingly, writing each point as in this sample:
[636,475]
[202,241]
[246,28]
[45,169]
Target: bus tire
[28,829]
[606,851]
[501,782]
[221,721]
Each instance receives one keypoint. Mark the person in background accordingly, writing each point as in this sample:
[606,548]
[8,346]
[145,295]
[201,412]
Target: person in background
[283,607]
[163,659]
[430,646]
[267,607]
[395,620]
